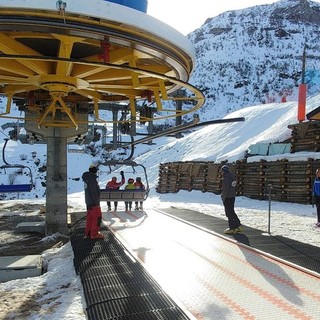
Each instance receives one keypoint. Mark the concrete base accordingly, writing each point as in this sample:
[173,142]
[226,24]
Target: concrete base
[19,267]
[37,227]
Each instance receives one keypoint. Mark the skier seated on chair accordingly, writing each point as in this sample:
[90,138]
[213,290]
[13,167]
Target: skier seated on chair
[139,186]
[114,185]
[129,186]
[92,199]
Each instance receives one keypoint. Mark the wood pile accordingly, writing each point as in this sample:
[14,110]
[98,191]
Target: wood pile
[189,176]
[168,178]
[213,178]
[289,181]
[305,136]
[251,179]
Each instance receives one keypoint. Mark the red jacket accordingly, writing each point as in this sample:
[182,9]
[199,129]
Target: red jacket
[114,185]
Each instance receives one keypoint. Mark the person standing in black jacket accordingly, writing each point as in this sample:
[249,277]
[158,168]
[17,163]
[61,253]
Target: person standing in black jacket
[92,199]
[228,195]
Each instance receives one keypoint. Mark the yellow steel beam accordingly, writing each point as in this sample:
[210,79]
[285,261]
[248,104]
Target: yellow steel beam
[102,23]
[90,94]
[125,69]
[96,111]
[120,91]
[128,73]
[121,55]
[163,90]
[156,68]
[85,71]
[96,108]
[15,89]
[109,74]
[8,107]
[67,111]
[157,100]
[133,107]
[117,57]
[134,75]
[13,47]
[14,67]
[56,98]
[65,49]
[50,108]
[12,80]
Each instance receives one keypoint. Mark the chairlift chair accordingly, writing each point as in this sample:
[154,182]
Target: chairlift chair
[19,187]
[125,195]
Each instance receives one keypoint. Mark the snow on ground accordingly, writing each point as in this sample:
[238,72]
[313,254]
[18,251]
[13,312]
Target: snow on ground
[57,294]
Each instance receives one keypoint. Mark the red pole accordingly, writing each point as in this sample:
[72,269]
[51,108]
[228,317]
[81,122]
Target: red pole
[302,101]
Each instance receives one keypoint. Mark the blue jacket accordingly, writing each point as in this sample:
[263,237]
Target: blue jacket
[316,187]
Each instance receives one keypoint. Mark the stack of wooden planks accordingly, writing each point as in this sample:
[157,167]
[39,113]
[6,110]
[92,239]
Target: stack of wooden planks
[289,181]
[305,136]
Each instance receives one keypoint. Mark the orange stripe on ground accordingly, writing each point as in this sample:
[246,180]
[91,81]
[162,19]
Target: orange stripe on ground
[280,279]
[268,256]
[228,301]
[263,293]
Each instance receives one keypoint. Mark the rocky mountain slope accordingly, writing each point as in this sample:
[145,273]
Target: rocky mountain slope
[254,56]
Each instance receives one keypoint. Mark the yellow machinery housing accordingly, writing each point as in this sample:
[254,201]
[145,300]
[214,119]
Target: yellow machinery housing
[58,63]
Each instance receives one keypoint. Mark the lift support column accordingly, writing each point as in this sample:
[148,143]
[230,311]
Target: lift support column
[56,196]
[57,175]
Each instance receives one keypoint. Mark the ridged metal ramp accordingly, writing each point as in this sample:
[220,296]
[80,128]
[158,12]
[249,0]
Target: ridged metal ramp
[115,285]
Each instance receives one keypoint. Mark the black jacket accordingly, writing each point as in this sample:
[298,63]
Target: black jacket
[91,189]
[229,186]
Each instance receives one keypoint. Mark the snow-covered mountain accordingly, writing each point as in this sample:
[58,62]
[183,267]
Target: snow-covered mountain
[254,56]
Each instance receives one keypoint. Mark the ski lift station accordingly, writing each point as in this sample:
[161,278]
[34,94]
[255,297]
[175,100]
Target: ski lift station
[65,61]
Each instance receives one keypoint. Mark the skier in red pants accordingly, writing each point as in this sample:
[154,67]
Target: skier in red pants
[92,199]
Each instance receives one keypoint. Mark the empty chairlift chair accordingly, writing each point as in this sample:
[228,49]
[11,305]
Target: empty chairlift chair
[14,177]
[10,174]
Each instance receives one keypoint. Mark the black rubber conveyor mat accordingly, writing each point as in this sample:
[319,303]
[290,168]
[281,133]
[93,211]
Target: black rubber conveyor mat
[115,285]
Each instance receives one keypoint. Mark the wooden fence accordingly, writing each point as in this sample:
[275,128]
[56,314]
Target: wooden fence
[290,181]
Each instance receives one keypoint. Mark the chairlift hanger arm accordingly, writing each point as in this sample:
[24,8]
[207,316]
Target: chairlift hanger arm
[3,154]
[178,129]
[18,187]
